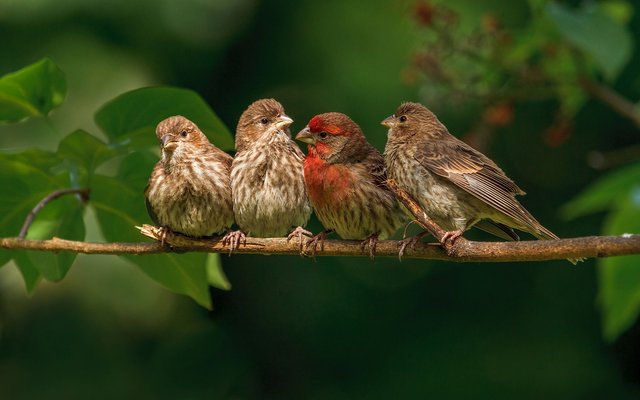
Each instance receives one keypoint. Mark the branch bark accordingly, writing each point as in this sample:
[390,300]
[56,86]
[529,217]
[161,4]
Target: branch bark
[462,251]
[467,251]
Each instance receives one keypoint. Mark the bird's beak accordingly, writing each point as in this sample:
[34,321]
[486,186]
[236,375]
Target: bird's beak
[283,121]
[389,122]
[168,143]
[306,136]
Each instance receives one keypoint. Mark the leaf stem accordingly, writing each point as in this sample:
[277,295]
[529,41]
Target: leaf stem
[83,194]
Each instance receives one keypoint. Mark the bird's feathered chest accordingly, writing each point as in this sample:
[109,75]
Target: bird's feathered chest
[328,183]
[267,182]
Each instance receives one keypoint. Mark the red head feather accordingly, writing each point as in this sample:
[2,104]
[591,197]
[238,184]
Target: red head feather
[318,124]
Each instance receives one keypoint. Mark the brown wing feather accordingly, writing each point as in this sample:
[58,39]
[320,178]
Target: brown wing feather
[476,174]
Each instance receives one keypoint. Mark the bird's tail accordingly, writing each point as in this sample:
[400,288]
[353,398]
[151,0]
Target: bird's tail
[543,233]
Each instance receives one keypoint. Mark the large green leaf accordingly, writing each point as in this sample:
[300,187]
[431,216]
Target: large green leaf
[86,151]
[32,90]
[61,218]
[119,207]
[215,274]
[603,192]
[25,183]
[607,41]
[132,117]
[620,276]
[28,270]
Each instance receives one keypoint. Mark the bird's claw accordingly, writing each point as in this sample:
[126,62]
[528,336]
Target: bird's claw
[233,239]
[371,241]
[313,243]
[164,232]
[299,232]
[408,242]
[451,237]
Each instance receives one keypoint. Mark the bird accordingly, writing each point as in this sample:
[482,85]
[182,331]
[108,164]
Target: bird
[267,179]
[188,190]
[345,179]
[456,185]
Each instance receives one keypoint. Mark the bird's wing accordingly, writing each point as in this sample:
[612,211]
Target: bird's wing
[376,167]
[152,214]
[476,174]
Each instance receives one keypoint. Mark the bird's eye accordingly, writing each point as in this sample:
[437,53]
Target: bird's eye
[183,133]
[403,118]
[264,121]
[323,134]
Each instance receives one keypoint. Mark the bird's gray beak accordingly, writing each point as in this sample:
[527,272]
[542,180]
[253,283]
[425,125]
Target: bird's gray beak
[283,121]
[306,136]
[389,122]
[168,143]
[165,139]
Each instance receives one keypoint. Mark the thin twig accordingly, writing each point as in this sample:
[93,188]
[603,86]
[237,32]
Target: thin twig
[84,196]
[612,98]
[412,205]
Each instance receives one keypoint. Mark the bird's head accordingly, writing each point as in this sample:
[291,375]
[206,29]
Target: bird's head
[410,119]
[176,134]
[333,137]
[262,120]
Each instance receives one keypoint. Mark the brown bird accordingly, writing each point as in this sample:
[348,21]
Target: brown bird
[345,178]
[267,181]
[189,191]
[456,185]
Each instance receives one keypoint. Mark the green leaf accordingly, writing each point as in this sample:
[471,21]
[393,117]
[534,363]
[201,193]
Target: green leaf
[608,42]
[603,192]
[28,270]
[25,182]
[619,277]
[34,90]
[86,150]
[215,274]
[61,218]
[132,117]
[119,207]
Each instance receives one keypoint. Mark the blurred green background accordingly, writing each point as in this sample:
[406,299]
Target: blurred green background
[291,327]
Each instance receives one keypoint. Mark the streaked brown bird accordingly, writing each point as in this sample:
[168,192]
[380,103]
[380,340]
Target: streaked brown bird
[189,191]
[267,181]
[345,178]
[456,185]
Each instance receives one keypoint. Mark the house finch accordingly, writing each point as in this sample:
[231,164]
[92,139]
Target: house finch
[456,185]
[345,178]
[267,181]
[188,191]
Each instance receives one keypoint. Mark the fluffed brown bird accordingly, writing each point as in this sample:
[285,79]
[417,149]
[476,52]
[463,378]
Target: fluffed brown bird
[267,181]
[345,178]
[188,190]
[456,185]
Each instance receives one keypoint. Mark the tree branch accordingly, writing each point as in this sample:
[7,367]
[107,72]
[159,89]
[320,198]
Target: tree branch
[467,251]
[462,251]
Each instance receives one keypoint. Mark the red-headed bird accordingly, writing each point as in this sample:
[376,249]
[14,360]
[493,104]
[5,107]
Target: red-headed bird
[345,178]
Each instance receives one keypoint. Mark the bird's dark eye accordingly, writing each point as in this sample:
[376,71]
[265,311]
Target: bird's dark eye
[323,134]
[264,121]
[183,133]
[403,118]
